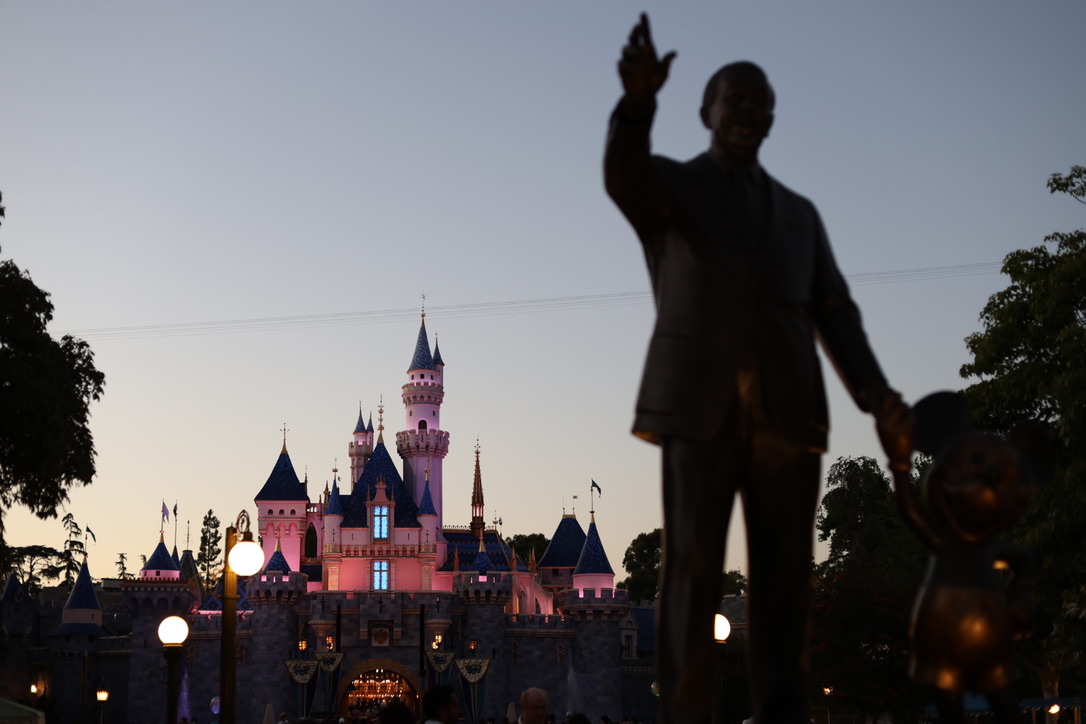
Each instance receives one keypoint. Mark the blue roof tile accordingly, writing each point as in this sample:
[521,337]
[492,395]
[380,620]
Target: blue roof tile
[380,465]
[482,563]
[466,545]
[593,559]
[426,507]
[13,590]
[83,595]
[437,355]
[360,426]
[335,501]
[565,546]
[422,360]
[283,483]
[161,560]
[277,563]
[213,600]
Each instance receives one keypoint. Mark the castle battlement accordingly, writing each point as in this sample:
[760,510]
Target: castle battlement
[519,622]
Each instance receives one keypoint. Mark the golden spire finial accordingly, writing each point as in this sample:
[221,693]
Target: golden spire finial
[381,419]
[284,439]
[423,295]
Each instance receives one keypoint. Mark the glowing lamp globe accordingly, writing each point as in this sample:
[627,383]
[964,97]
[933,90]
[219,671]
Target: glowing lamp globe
[722,628]
[173,631]
[246,558]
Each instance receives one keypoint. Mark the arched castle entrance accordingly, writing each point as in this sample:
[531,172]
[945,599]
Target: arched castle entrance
[378,681]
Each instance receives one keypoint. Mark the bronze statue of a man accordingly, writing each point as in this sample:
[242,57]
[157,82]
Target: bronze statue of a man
[744,282]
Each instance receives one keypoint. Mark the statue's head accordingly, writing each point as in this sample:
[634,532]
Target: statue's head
[737,108]
[978,486]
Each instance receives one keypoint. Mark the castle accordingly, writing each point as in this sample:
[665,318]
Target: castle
[365,595]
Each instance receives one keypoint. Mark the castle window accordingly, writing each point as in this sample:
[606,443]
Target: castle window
[422,424]
[380,522]
[380,575]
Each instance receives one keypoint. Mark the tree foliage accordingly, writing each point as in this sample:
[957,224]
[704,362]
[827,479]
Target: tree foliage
[642,564]
[1028,364]
[122,567]
[35,565]
[208,562]
[74,548]
[524,544]
[865,592]
[46,387]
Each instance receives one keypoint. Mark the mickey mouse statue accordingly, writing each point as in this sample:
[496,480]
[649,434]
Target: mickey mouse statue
[978,594]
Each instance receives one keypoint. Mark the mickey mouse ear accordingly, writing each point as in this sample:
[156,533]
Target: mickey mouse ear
[940,417]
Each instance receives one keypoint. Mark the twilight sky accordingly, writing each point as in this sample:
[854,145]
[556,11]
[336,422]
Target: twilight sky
[302,173]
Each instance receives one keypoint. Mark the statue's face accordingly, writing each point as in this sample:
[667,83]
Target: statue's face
[739,117]
[978,487]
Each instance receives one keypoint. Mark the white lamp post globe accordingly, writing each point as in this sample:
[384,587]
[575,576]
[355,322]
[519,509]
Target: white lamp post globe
[246,558]
[722,628]
[173,631]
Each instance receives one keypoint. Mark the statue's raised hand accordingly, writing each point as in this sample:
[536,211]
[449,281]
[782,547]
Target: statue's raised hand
[642,72]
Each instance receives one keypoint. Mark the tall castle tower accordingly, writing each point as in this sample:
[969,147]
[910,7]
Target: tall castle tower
[423,445]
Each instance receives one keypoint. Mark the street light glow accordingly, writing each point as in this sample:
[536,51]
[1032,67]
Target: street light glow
[172,631]
[722,628]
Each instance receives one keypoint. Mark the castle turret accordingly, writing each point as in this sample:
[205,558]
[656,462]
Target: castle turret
[560,559]
[361,446]
[423,445]
[282,506]
[429,540]
[593,570]
[161,565]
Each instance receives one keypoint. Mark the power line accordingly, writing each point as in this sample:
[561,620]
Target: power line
[479,309]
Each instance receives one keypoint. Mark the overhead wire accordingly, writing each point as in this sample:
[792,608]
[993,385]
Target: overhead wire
[476,309]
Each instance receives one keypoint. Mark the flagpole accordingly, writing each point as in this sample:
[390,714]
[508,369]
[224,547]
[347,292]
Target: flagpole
[175,524]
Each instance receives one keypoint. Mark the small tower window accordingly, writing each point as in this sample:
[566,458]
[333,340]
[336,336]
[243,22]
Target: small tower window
[380,522]
[422,424]
[380,575]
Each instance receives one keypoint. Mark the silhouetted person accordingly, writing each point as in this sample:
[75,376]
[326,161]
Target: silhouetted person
[744,282]
[533,706]
[440,706]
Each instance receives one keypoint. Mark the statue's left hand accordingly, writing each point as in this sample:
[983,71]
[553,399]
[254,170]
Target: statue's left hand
[894,421]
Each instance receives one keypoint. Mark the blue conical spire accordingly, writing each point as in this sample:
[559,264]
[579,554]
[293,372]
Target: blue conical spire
[360,426]
[437,353]
[593,558]
[422,359]
[426,507]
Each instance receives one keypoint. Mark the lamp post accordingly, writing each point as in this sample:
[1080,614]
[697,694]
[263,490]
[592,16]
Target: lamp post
[102,695]
[243,558]
[172,632]
[722,628]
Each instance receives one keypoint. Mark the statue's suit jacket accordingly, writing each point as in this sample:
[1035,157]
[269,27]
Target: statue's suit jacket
[729,306]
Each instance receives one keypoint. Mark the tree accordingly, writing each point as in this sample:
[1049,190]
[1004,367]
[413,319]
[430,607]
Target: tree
[208,562]
[524,544]
[74,549]
[35,566]
[122,567]
[1028,364]
[642,563]
[865,591]
[46,387]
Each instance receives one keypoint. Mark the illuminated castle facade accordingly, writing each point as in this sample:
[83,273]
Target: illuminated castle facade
[367,594]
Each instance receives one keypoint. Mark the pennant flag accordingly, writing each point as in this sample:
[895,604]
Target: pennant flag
[175,510]
[597,487]
[165,512]
[91,534]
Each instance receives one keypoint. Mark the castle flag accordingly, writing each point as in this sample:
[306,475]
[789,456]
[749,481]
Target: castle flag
[597,487]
